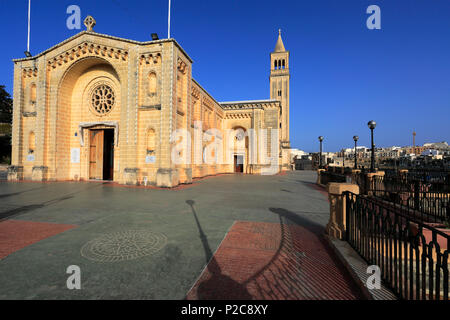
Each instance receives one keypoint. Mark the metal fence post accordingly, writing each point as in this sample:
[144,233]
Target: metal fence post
[416,195]
[337,225]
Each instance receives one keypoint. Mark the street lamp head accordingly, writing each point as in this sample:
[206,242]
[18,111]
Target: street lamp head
[372,124]
[355,138]
[321,138]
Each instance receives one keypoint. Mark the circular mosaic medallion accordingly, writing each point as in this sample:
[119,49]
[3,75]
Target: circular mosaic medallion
[123,246]
[103,99]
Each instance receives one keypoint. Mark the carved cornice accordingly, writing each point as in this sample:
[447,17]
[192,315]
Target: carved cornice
[195,93]
[87,49]
[40,168]
[285,144]
[182,66]
[244,105]
[29,114]
[150,57]
[15,169]
[243,115]
[208,103]
[29,72]
[155,107]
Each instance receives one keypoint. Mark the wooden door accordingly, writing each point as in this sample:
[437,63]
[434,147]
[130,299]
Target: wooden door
[238,164]
[96,154]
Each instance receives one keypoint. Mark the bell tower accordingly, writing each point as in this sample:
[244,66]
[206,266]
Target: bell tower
[279,90]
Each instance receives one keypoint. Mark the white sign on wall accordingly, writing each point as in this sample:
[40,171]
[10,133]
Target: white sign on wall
[30,157]
[75,155]
[150,159]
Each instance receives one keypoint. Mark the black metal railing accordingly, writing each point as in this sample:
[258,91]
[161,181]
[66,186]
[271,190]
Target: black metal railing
[361,180]
[432,207]
[432,200]
[328,176]
[395,184]
[420,175]
[413,257]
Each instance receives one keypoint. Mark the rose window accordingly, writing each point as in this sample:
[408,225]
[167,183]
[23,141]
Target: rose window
[103,99]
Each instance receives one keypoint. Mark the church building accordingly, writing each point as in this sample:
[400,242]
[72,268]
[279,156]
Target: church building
[98,107]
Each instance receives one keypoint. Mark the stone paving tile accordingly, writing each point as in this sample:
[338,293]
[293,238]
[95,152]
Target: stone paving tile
[269,261]
[16,235]
[194,220]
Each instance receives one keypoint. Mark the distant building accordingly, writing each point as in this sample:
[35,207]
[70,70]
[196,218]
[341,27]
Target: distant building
[303,162]
[297,153]
[437,146]
[327,158]
[413,150]
[431,153]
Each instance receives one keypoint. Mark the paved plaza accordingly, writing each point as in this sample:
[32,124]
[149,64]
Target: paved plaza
[223,237]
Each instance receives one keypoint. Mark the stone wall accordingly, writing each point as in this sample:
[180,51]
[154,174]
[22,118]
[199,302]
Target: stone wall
[153,95]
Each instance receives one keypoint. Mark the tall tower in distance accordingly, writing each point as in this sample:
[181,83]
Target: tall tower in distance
[279,90]
[414,138]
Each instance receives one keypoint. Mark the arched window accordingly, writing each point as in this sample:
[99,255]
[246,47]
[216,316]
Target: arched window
[284,64]
[151,142]
[209,119]
[195,111]
[205,119]
[32,98]
[180,89]
[31,143]
[275,64]
[33,93]
[152,84]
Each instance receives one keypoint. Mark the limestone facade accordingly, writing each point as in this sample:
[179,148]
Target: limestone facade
[105,108]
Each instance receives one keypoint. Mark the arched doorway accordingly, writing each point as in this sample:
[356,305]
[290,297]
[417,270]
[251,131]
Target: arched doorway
[88,116]
[240,141]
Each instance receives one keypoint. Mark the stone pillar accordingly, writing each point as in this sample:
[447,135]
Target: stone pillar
[168,96]
[41,100]
[167,178]
[403,173]
[39,173]
[132,109]
[319,176]
[188,175]
[131,176]
[56,75]
[15,173]
[336,227]
[17,127]
[355,174]
[370,178]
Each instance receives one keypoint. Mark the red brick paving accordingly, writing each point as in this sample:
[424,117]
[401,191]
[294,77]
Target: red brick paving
[266,261]
[16,235]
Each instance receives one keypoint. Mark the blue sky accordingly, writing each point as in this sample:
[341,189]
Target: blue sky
[342,74]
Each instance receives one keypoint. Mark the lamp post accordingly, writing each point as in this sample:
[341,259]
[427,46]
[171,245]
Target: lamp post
[320,154]
[343,158]
[356,138]
[372,125]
